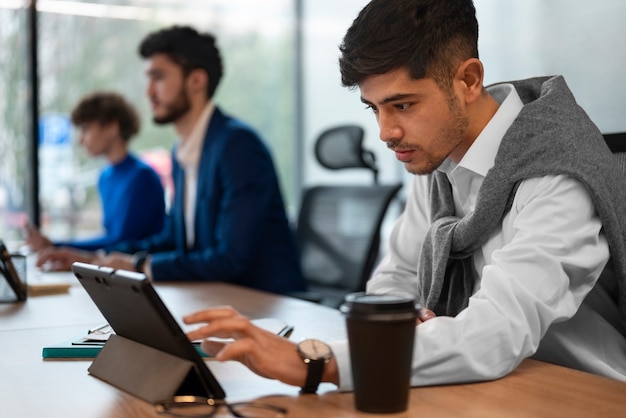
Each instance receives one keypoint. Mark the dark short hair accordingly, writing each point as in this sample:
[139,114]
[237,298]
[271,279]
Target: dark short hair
[189,49]
[428,37]
[105,107]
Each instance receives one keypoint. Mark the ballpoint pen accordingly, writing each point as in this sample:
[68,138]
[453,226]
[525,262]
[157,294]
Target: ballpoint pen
[100,329]
[286,331]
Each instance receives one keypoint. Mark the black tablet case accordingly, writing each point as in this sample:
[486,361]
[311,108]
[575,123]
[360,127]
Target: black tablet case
[149,356]
[11,275]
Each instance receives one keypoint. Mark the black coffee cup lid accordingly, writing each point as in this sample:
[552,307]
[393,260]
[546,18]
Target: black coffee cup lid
[362,303]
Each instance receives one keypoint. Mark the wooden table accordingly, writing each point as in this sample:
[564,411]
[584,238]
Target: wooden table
[33,387]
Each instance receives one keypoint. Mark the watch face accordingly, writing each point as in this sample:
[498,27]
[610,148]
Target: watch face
[314,349]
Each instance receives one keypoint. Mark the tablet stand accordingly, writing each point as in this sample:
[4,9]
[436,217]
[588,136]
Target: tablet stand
[146,372]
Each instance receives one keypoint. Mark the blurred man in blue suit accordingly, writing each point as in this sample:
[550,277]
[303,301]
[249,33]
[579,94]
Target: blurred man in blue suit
[227,221]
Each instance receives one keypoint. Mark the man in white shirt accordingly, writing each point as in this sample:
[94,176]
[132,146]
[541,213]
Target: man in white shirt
[513,233]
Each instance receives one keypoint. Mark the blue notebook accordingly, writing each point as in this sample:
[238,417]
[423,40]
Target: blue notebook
[80,348]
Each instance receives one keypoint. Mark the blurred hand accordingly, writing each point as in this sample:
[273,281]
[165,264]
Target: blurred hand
[61,258]
[35,239]
[263,352]
[117,260]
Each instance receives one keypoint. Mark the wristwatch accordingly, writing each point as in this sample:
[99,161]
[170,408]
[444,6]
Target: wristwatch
[139,259]
[316,355]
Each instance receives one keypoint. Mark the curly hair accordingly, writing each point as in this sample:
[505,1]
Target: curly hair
[189,49]
[105,107]
[428,37]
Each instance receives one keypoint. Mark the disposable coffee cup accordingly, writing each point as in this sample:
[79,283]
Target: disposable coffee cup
[381,332]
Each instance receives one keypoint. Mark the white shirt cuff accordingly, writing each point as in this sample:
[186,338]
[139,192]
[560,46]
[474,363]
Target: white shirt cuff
[341,352]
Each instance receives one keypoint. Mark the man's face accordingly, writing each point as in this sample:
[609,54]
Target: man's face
[166,89]
[420,122]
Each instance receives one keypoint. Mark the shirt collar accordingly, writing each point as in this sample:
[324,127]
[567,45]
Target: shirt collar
[199,128]
[481,155]
[189,149]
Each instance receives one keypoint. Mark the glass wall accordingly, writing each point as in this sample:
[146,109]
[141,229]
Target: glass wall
[14,118]
[87,45]
[326,102]
[518,38]
[583,41]
[92,45]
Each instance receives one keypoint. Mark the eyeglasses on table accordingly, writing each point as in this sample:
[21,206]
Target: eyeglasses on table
[201,407]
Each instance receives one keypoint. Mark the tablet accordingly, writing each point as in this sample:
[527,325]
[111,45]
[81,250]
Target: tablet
[134,310]
[11,276]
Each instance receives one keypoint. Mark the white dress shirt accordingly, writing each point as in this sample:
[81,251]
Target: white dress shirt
[188,155]
[535,293]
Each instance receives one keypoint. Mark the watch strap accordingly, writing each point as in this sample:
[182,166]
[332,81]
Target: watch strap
[315,370]
[139,259]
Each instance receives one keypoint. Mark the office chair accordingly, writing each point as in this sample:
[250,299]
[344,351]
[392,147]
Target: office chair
[341,147]
[617,145]
[338,227]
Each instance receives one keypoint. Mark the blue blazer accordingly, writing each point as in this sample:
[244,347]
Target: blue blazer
[242,234]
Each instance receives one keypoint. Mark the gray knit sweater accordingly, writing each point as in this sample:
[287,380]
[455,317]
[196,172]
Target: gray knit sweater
[552,135]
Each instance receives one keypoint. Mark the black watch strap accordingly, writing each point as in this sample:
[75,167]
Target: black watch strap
[315,370]
[139,259]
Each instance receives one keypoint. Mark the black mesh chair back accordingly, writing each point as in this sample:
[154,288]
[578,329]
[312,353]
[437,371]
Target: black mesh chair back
[339,237]
[342,147]
[617,145]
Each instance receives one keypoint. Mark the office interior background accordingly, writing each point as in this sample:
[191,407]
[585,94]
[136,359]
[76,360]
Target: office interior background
[281,76]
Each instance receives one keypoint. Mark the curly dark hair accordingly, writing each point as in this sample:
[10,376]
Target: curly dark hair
[105,107]
[428,37]
[189,49]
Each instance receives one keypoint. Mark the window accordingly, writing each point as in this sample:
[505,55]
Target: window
[92,45]
[14,118]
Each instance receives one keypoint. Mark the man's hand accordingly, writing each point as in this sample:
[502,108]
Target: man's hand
[117,260]
[263,352]
[61,258]
[424,315]
[35,239]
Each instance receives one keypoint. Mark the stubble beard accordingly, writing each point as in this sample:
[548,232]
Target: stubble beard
[179,107]
[452,133]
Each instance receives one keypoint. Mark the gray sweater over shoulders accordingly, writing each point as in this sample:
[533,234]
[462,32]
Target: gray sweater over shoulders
[552,135]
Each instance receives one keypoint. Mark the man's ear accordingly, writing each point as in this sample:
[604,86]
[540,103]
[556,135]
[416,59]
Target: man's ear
[111,128]
[471,73]
[197,80]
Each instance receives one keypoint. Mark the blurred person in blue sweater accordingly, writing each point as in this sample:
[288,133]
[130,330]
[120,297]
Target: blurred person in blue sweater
[131,193]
